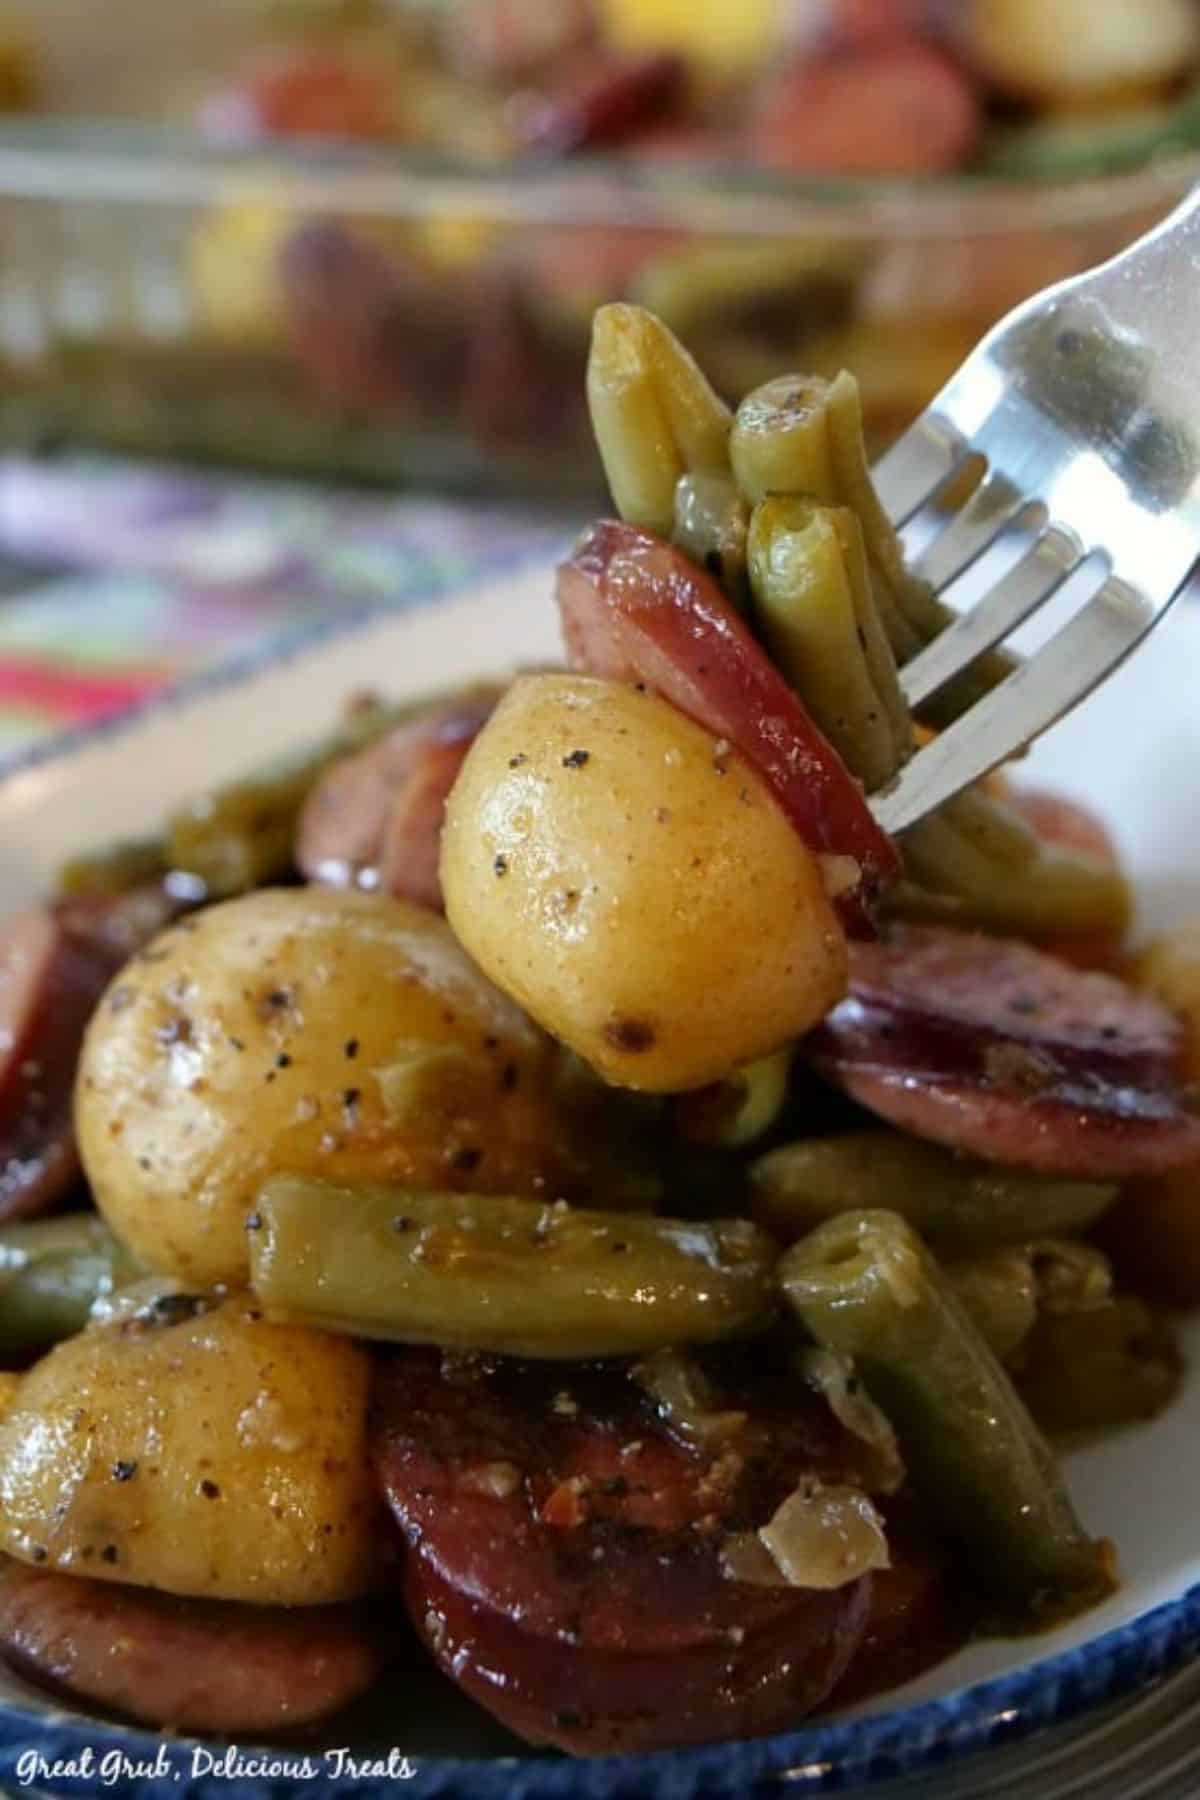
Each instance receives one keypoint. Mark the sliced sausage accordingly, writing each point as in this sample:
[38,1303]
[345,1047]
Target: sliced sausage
[1011,1055]
[634,608]
[370,327]
[115,926]
[50,982]
[521,381]
[600,101]
[894,109]
[918,1615]
[192,1665]
[565,1562]
[375,820]
[304,93]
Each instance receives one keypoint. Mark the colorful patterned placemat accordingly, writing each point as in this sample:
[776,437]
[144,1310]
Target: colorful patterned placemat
[116,579]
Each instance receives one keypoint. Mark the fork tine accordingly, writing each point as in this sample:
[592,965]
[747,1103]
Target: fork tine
[1025,588]
[916,466]
[994,504]
[1063,672]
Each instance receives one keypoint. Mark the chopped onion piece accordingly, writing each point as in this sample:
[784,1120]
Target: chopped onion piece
[744,1557]
[824,1537]
[681,1391]
[835,1379]
[839,874]
[1070,1277]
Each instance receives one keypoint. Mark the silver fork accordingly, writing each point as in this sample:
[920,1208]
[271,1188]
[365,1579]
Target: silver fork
[1084,405]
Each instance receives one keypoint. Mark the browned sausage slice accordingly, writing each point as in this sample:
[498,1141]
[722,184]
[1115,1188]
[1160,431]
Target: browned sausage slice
[892,109]
[634,608]
[49,983]
[375,820]
[566,1554]
[1014,1056]
[28,946]
[919,1613]
[371,328]
[196,1665]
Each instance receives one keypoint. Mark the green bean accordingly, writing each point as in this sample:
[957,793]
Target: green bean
[51,1273]
[712,287]
[105,874]
[995,830]
[924,616]
[914,600]
[957,1205]
[1056,894]
[802,435]
[737,1111]
[812,591]
[780,442]
[240,836]
[864,1285]
[654,415]
[710,526]
[1007,1291]
[517,1277]
[1102,1367]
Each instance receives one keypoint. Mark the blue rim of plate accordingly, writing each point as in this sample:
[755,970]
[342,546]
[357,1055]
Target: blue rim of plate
[816,1759]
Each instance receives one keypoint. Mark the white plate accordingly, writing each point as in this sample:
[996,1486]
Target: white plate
[1133,753]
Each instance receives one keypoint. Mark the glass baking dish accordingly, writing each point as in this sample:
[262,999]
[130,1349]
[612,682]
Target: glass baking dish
[386,316]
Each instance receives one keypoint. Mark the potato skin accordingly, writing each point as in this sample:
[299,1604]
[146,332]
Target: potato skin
[1077,48]
[257,1038]
[218,1456]
[630,881]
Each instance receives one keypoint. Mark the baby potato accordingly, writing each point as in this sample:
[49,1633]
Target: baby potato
[203,1453]
[1078,47]
[631,882]
[301,1031]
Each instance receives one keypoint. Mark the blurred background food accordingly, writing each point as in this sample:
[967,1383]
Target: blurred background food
[365,237]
